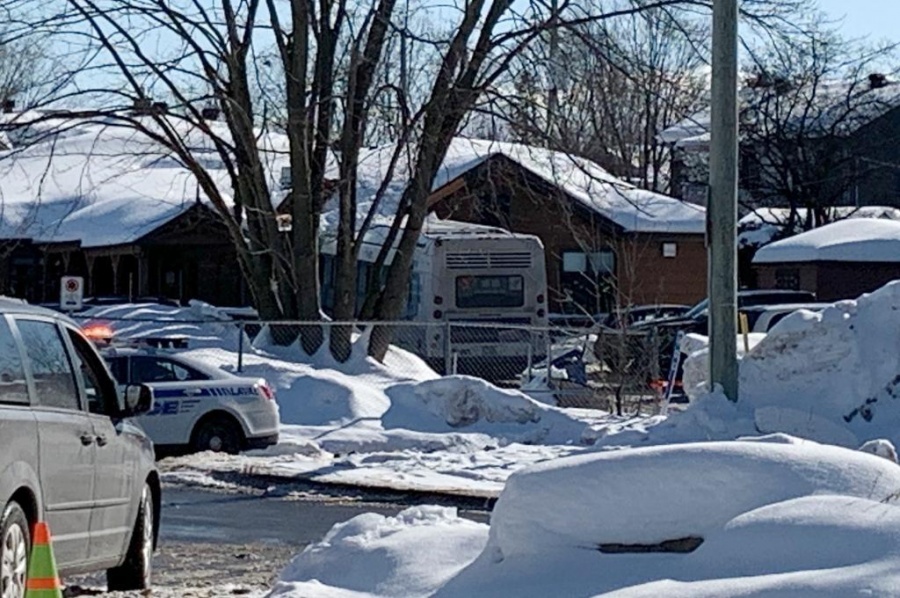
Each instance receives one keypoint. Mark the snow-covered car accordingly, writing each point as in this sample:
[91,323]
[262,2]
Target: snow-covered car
[197,407]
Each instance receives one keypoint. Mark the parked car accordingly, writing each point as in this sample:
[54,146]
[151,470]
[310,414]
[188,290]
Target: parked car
[644,314]
[762,318]
[198,407]
[70,455]
[696,319]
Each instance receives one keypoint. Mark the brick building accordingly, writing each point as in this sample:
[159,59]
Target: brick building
[607,243]
[837,261]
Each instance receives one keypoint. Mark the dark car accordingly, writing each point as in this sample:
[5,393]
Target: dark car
[696,319]
[644,314]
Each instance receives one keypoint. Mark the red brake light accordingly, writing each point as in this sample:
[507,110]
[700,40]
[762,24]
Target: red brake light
[540,298]
[266,391]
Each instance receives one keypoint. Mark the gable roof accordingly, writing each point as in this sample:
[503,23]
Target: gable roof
[100,185]
[852,240]
[631,208]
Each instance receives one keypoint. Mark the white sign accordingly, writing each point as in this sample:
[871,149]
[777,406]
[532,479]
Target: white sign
[71,293]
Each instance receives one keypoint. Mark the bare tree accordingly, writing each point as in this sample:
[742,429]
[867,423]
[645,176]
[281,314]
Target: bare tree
[623,81]
[313,71]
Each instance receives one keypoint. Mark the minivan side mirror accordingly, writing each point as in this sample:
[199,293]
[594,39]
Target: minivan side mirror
[138,400]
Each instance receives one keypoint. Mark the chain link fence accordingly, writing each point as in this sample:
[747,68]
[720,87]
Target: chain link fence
[600,368]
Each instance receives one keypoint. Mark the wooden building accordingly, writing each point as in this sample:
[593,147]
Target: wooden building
[188,257]
[837,261]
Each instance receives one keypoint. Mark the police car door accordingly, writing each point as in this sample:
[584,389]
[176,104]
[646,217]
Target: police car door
[177,394]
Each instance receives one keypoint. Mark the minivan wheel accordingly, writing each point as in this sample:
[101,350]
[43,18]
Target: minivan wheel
[15,541]
[218,434]
[134,573]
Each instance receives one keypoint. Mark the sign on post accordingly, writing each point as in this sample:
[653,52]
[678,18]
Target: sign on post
[71,293]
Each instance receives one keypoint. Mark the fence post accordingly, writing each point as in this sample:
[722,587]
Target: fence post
[530,356]
[240,363]
[448,348]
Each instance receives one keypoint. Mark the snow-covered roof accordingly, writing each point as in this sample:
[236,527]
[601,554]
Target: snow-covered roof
[762,225]
[633,209]
[851,240]
[103,185]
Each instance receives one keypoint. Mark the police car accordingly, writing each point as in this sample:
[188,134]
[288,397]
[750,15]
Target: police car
[196,406]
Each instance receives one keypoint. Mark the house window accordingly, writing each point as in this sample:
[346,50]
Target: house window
[587,281]
[787,278]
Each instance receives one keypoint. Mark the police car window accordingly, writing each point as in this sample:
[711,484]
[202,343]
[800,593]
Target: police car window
[13,387]
[118,366]
[146,369]
[101,398]
[54,380]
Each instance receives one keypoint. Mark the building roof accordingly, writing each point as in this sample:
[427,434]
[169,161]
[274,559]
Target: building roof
[852,240]
[103,185]
[631,208]
[762,225]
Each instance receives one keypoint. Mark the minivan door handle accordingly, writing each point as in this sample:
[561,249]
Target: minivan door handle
[87,439]
[101,440]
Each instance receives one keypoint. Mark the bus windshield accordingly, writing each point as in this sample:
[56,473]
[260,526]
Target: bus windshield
[490,291]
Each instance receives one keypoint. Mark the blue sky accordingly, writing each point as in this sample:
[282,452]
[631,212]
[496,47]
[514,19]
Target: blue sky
[873,19]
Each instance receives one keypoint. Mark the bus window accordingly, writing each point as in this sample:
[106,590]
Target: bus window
[490,291]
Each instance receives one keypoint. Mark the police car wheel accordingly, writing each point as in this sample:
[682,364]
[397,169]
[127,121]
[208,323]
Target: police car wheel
[218,434]
[14,548]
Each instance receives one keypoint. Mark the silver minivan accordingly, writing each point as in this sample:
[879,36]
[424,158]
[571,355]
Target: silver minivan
[70,455]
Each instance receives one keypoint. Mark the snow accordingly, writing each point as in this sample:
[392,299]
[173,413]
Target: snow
[393,425]
[103,185]
[830,376]
[634,209]
[853,240]
[764,225]
[775,517]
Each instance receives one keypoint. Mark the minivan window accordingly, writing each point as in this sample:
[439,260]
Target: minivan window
[13,387]
[54,381]
[101,396]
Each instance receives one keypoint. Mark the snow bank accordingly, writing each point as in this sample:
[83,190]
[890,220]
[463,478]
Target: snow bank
[778,516]
[832,376]
[386,556]
[457,403]
[654,494]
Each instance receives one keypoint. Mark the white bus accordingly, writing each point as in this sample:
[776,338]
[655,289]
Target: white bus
[481,284]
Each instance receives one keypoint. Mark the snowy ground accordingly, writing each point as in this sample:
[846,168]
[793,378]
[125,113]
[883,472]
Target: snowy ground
[773,517]
[592,505]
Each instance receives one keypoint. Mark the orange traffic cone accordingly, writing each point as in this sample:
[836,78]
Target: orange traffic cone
[43,580]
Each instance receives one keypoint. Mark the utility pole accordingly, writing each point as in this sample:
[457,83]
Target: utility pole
[722,205]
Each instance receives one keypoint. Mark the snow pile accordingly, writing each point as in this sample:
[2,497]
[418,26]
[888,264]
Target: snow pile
[392,425]
[831,376]
[457,403]
[385,556]
[773,517]
[654,494]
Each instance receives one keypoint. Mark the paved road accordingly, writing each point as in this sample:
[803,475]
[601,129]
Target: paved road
[217,544]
